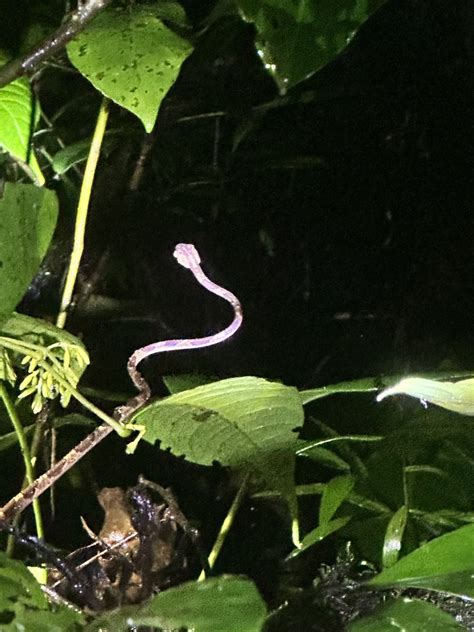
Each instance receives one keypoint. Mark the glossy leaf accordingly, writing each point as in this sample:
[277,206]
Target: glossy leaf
[297,38]
[27,221]
[432,564]
[244,423]
[370,384]
[132,57]
[335,492]
[455,396]
[214,605]
[409,615]
[393,537]
[16,113]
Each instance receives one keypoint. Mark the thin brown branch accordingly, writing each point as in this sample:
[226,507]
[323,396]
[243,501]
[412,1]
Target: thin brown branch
[76,22]
[21,501]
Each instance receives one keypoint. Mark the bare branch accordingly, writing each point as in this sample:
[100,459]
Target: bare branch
[77,22]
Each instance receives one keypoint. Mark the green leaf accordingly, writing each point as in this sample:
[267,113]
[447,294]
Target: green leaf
[61,619]
[16,112]
[455,396]
[17,584]
[393,537]
[244,423]
[318,534]
[78,152]
[409,615]
[297,38]
[369,384]
[131,57]
[214,605]
[27,220]
[445,564]
[323,457]
[335,492]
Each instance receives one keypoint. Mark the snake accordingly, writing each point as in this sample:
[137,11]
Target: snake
[188,257]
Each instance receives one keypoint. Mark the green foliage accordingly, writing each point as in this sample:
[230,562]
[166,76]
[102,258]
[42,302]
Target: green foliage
[455,396]
[443,564]
[54,359]
[295,39]
[132,57]
[245,423]
[214,605]
[16,114]
[28,218]
[24,605]
[410,615]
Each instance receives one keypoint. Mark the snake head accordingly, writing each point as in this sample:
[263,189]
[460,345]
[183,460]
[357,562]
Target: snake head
[187,255]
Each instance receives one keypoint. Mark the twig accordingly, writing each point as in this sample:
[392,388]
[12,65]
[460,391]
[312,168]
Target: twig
[24,498]
[77,22]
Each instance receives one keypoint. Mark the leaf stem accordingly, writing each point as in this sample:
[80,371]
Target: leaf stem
[82,212]
[25,451]
[226,526]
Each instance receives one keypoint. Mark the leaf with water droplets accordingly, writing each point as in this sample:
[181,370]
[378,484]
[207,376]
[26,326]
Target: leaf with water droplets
[297,38]
[131,57]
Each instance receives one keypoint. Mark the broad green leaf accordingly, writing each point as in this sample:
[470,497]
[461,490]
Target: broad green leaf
[335,492]
[409,615]
[215,605]
[298,37]
[16,113]
[431,565]
[318,534]
[27,221]
[131,57]
[455,396]
[393,537]
[244,423]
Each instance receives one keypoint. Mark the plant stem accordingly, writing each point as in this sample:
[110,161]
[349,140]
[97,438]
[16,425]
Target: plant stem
[25,451]
[226,526]
[82,211]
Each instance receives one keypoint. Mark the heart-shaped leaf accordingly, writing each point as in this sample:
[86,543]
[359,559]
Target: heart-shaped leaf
[131,57]
[299,37]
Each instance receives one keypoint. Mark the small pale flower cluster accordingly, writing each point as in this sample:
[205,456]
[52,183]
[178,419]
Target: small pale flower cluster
[53,372]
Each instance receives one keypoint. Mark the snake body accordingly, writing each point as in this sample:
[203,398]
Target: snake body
[188,257]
